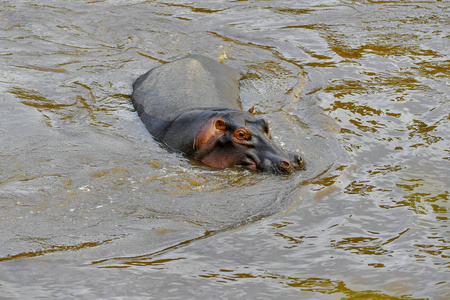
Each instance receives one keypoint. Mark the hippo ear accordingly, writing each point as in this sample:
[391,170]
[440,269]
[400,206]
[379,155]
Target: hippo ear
[220,125]
[208,136]
[251,110]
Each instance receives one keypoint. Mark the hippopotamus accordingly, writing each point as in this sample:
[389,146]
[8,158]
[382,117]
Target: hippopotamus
[193,105]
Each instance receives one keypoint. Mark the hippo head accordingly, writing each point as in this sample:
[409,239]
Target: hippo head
[237,138]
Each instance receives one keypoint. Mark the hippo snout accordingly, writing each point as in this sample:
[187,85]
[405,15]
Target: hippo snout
[297,161]
[282,165]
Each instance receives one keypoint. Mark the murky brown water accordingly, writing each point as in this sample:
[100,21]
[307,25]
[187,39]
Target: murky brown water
[92,207]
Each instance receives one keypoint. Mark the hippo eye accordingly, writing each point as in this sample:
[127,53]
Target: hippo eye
[242,134]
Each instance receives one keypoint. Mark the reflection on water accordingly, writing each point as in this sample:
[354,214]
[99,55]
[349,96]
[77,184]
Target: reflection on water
[360,88]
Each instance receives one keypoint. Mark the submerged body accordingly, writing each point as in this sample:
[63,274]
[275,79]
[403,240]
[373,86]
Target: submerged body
[193,105]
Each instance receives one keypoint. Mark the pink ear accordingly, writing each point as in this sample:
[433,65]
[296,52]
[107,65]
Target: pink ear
[207,137]
[220,125]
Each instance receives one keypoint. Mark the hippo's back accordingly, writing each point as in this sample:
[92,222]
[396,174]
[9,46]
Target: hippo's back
[191,82]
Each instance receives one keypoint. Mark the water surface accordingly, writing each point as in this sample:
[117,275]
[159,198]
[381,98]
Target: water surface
[93,207]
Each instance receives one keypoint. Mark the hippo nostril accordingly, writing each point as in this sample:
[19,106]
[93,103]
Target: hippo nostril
[297,161]
[285,164]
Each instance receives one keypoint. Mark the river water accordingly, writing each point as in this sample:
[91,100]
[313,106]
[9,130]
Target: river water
[92,207]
